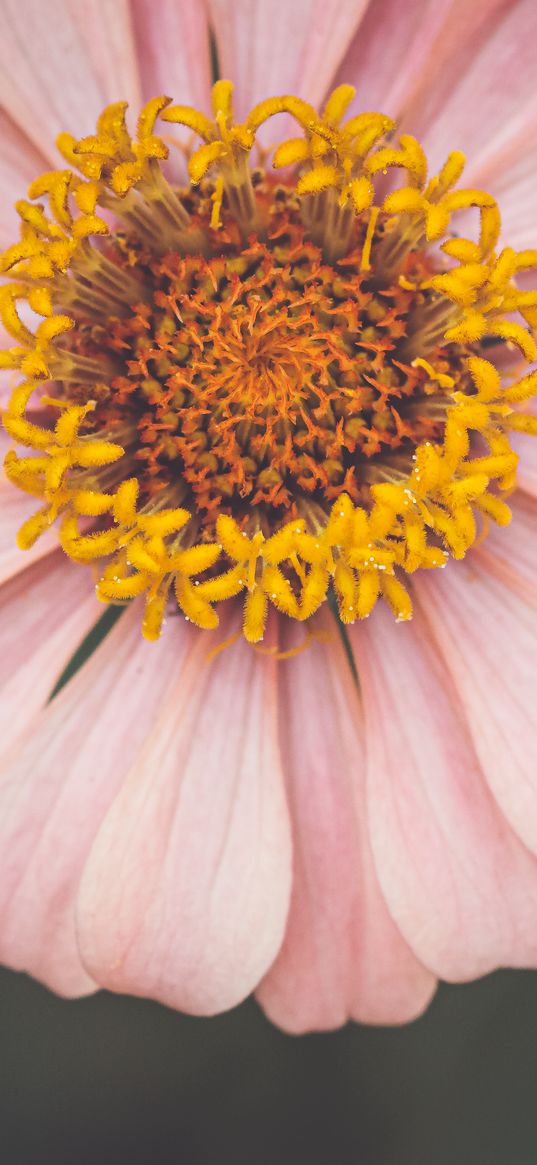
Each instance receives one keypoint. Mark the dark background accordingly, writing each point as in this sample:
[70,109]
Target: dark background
[113,1079]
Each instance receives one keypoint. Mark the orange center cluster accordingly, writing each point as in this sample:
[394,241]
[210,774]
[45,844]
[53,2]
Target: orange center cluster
[262,376]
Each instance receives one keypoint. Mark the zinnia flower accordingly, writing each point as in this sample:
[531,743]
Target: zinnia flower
[261,403]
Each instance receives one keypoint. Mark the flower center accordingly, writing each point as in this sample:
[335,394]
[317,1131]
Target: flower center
[275,389]
[262,379]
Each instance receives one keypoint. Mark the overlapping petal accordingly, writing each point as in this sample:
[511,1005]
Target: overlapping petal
[184,70]
[512,555]
[458,76]
[391,49]
[459,883]
[56,786]
[20,161]
[475,91]
[185,894]
[61,62]
[342,955]
[289,48]
[513,184]
[487,634]
[45,612]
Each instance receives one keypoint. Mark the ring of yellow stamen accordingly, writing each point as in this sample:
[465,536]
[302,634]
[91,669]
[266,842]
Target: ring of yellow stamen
[68,266]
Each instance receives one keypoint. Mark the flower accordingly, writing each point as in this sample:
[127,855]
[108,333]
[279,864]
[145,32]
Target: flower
[338,811]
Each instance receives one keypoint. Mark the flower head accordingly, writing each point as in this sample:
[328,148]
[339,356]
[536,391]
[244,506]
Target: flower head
[276,389]
[285,386]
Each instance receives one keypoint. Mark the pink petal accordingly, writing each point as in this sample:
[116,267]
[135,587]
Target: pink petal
[57,786]
[186,891]
[342,955]
[20,163]
[460,885]
[61,62]
[184,73]
[511,554]
[513,184]
[45,612]
[172,43]
[488,637]
[295,48]
[460,102]
[390,50]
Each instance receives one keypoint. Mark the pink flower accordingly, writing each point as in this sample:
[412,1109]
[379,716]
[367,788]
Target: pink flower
[194,825]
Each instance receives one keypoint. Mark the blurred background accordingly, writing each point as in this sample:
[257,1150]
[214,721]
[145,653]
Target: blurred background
[114,1079]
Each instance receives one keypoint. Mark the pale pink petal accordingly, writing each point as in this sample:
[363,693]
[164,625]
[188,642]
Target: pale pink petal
[291,48]
[390,50]
[477,92]
[488,636]
[61,62]
[512,554]
[342,955]
[513,185]
[45,612]
[458,882]
[412,62]
[186,891]
[173,48]
[172,41]
[20,163]
[56,787]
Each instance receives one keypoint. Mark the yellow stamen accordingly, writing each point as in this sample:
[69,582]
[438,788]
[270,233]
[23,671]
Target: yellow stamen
[275,391]
[365,261]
